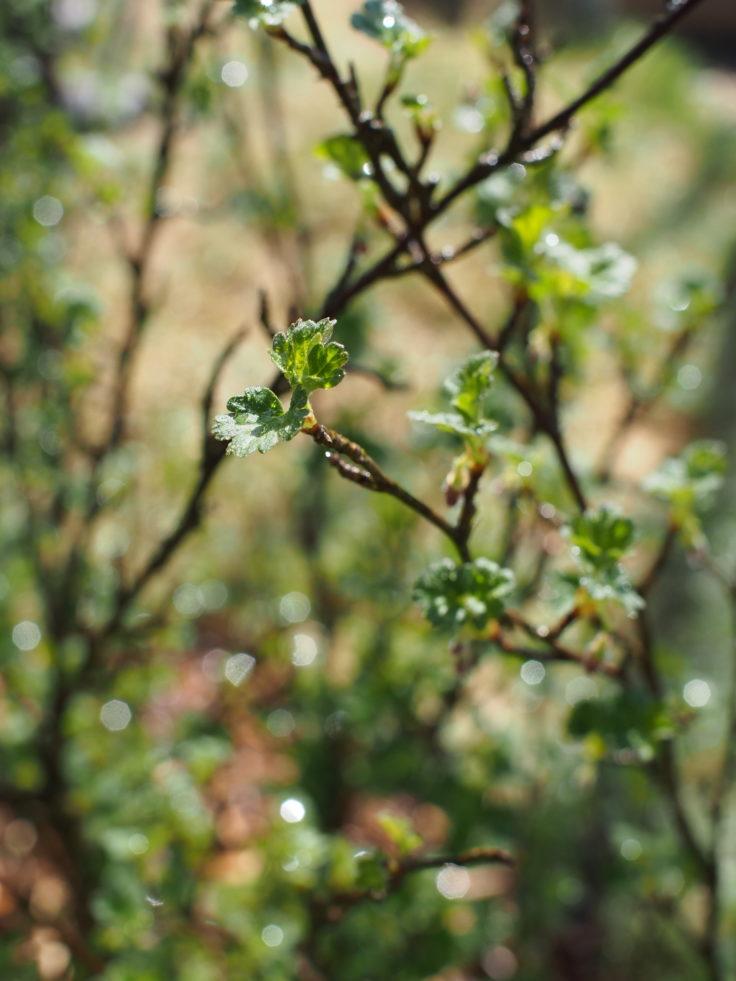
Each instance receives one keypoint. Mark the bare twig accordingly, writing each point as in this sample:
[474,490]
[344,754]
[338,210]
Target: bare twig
[368,474]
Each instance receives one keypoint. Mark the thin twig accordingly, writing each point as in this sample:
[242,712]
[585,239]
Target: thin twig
[368,474]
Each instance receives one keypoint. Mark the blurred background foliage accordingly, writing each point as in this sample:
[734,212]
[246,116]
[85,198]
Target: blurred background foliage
[192,775]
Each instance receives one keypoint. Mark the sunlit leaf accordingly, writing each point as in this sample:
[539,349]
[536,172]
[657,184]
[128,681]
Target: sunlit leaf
[307,356]
[689,483]
[386,22]
[265,13]
[256,421]
[468,387]
[452,595]
[599,540]
[630,721]
[347,154]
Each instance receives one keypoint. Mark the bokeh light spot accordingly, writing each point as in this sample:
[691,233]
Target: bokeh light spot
[138,843]
[48,211]
[294,607]
[238,667]
[115,715]
[500,964]
[292,811]
[697,693]
[453,881]
[19,838]
[305,650]
[234,74]
[280,723]
[689,377]
[533,672]
[26,635]
[631,849]
[272,935]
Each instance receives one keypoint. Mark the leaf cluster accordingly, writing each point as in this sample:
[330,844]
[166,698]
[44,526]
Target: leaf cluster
[309,360]
[453,596]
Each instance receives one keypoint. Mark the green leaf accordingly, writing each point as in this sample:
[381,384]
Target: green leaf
[400,833]
[470,383]
[503,21]
[421,113]
[599,540]
[601,537]
[468,387]
[386,22]
[347,154]
[630,721]
[693,478]
[688,300]
[371,873]
[453,422]
[307,356]
[256,421]
[599,274]
[452,595]
[689,483]
[265,13]
[611,586]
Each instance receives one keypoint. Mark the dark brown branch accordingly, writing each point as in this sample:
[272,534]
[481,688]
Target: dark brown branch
[674,13]
[552,650]
[464,526]
[213,453]
[398,869]
[492,162]
[368,474]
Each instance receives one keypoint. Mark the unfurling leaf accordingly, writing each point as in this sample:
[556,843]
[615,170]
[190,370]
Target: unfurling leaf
[599,540]
[503,21]
[265,13]
[471,382]
[631,721]
[689,483]
[256,421]
[386,22]
[453,422]
[399,832]
[468,386]
[691,479]
[602,537]
[347,154]
[307,356]
[452,595]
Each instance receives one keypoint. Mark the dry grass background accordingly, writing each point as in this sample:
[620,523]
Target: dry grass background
[210,263]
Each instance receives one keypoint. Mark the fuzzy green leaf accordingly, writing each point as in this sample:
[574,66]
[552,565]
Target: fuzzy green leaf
[473,593]
[256,421]
[265,13]
[630,721]
[502,22]
[454,423]
[386,22]
[470,383]
[693,478]
[599,540]
[601,537]
[347,154]
[599,274]
[468,387]
[689,483]
[307,356]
